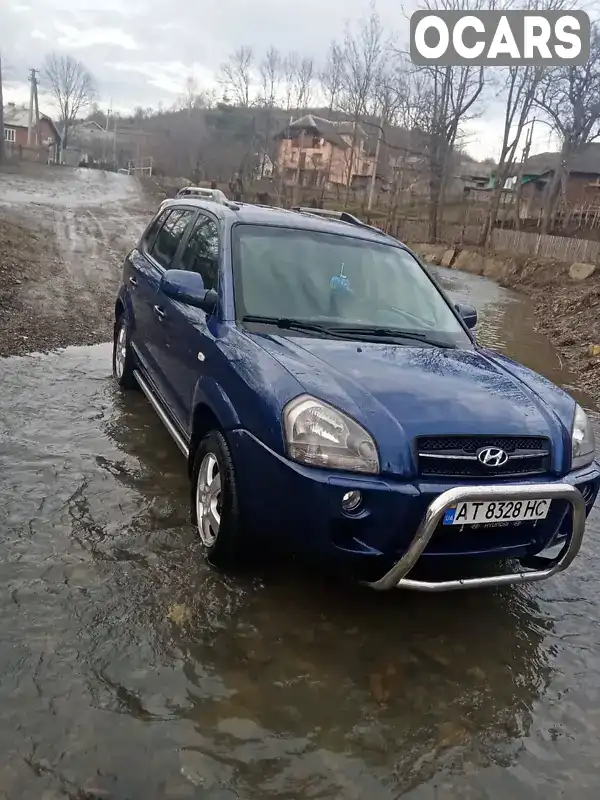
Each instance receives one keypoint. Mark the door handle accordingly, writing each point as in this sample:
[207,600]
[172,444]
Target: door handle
[159,312]
[133,281]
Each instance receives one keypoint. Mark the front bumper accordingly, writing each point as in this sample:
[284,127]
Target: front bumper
[547,567]
[299,508]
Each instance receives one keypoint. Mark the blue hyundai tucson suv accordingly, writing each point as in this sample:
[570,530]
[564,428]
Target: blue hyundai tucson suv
[331,401]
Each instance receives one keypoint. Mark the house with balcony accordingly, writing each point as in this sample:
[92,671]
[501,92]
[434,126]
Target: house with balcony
[317,152]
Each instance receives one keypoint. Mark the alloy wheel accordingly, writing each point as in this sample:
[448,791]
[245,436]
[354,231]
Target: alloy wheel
[208,500]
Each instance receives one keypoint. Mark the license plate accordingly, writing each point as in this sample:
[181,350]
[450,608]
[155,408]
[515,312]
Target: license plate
[490,511]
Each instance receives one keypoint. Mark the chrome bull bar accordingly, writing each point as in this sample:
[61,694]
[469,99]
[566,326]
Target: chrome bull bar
[396,577]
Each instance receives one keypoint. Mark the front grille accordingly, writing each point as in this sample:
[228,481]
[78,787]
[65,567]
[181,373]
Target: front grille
[456,456]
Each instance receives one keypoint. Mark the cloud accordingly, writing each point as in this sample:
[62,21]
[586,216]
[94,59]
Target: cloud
[483,140]
[168,76]
[74,38]
[35,34]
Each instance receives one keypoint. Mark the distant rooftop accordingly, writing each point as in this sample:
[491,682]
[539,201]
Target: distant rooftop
[586,160]
[18,117]
[319,126]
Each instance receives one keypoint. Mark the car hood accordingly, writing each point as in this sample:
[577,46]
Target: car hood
[400,392]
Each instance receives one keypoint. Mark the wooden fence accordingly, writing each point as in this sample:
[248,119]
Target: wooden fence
[562,248]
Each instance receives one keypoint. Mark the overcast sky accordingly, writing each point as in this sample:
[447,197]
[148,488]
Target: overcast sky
[142,51]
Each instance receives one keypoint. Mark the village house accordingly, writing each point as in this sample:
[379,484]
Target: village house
[582,181]
[471,180]
[16,128]
[317,152]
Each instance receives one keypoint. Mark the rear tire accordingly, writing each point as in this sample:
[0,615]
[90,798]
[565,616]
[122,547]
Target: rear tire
[214,502]
[123,362]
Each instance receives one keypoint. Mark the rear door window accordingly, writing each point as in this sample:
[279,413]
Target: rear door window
[166,243]
[154,228]
[201,253]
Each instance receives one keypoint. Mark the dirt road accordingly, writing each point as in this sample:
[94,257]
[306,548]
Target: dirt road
[63,235]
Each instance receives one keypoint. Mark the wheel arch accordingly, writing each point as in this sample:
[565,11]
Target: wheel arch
[119,309]
[123,306]
[211,410]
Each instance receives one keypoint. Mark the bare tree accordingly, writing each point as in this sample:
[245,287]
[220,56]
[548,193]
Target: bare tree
[303,82]
[363,56]
[290,69]
[271,69]
[190,92]
[570,98]
[192,97]
[330,77]
[438,100]
[73,87]
[236,75]
[520,87]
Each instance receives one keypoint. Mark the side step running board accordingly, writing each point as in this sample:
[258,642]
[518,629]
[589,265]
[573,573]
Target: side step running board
[164,418]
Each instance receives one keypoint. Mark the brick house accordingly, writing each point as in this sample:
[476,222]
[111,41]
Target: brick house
[313,151]
[16,125]
[582,184]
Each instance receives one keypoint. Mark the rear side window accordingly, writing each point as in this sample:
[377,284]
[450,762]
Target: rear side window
[153,230]
[169,236]
[201,252]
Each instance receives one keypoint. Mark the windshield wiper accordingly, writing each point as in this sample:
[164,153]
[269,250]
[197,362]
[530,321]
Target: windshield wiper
[294,325]
[345,332]
[392,333]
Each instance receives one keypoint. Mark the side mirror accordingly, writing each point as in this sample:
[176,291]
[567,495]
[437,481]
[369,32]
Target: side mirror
[468,314]
[188,287]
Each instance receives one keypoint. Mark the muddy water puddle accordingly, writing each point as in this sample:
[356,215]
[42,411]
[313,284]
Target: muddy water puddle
[129,669]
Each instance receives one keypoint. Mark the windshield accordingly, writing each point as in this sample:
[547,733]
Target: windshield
[337,282]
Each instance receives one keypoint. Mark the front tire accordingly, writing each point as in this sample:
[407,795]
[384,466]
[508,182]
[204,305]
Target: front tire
[123,360]
[215,507]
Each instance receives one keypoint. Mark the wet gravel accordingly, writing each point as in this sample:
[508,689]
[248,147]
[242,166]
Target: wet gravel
[129,669]
[63,235]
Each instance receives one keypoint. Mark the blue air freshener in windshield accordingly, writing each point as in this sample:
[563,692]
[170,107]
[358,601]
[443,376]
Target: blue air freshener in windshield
[340,282]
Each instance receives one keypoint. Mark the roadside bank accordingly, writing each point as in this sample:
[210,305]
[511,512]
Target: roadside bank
[566,298]
[63,236]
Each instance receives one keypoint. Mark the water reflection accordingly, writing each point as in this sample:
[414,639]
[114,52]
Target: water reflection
[507,324]
[130,669]
[297,686]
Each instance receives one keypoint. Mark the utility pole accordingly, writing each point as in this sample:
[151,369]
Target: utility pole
[32,94]
[374,175]
[104,138]
[38,132]
[1,116]
[115,141]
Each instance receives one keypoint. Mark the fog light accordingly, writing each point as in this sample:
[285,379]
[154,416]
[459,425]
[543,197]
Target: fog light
[351,500]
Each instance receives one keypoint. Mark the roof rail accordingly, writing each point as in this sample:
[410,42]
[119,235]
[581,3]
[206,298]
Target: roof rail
[342,216]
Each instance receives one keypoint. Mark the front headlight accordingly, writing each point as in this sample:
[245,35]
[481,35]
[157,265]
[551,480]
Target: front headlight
[320,435]
[584,445]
